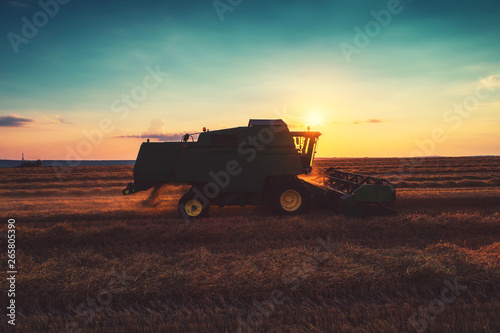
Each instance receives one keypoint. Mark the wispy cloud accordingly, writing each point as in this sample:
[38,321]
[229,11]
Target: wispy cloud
[157,126]
[62,121]
[14,121]
[369,121]
[160,137]
[492,81]
[55,119]
[156,131]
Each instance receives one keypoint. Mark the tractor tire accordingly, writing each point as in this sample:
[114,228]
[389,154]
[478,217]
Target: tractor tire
[191,207]
[290,197]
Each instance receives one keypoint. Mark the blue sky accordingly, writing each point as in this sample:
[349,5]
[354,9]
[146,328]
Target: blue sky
[263,57]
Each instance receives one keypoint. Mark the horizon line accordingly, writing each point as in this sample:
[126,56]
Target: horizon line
[427,156]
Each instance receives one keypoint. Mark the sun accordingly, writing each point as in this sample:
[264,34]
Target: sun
[314,119]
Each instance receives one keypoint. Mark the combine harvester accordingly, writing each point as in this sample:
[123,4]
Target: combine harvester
[254,165]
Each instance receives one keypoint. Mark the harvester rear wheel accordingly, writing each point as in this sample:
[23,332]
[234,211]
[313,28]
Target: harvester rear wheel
[191,207]
[290,197]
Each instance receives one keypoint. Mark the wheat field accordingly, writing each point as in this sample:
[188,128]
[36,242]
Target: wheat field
[91,260]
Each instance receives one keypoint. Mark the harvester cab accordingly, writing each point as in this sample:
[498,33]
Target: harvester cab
[305,143]
[252,165]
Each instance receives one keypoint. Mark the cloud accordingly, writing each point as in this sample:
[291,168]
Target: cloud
[13,121]
[62,121]
[55,119]
[160,137]
[369,121]
[157,126]
[155,131]
[492,81]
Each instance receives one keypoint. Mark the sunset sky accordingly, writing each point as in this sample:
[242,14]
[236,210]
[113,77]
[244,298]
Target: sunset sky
[377,78]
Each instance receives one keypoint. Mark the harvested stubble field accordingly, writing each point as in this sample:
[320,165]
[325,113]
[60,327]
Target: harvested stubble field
[91,260]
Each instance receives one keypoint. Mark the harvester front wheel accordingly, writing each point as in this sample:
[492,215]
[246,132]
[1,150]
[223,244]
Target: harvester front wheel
[191,206]
[290,198]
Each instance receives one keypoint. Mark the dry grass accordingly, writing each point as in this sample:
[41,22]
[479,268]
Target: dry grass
[79,238]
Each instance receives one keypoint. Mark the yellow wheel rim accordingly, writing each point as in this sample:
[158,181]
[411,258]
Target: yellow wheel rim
[193,207]
[290,200]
